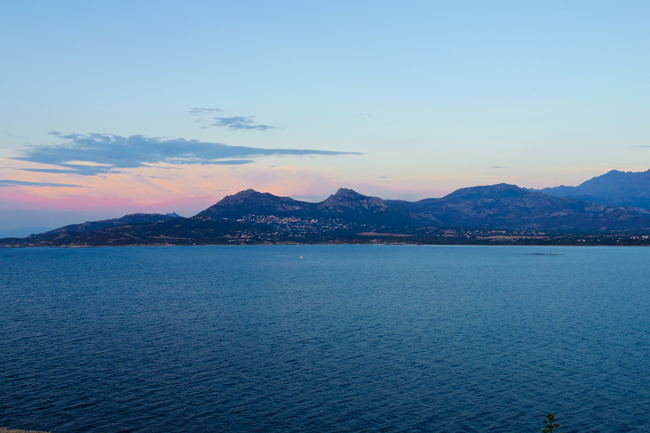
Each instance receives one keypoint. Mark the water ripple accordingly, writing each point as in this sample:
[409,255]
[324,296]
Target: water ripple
[349,339]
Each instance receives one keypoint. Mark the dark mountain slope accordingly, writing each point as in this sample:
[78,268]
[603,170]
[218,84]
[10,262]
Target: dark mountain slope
[346,205]
[508,206]
[90,226]
[251,202]
[177,231]
[349,201]
[615,188]
[250,217]
[353,207]
[492,206]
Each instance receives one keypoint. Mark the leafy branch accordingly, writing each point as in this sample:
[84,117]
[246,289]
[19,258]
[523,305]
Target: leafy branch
[550,424]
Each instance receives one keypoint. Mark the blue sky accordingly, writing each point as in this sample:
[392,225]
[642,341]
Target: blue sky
[401,100]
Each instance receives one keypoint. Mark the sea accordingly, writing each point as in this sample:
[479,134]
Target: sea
[325,338]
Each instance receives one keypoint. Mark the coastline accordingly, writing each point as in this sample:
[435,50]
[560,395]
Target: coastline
[415,244]
[6,430]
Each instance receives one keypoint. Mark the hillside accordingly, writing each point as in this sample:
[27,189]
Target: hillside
[482,214]
[511,207]
[615,188]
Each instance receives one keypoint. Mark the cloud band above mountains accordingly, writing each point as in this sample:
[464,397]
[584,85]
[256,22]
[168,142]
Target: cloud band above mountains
[10,183]
[92,154]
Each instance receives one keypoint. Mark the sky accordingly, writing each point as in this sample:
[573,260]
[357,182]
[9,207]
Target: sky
[115,107]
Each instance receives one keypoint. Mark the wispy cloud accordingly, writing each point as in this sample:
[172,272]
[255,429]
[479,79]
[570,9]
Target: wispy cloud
[239,123]
[92,154]
[642,146]
[9,183]
[499,166]
[234,123]
[197,111]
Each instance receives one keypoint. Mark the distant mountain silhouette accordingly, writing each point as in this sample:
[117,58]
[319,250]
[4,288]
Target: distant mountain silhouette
[347,201]
[91,226]
[354,208]
[508,206]
[349,217]
[615,188]
[251,202]
[346,205]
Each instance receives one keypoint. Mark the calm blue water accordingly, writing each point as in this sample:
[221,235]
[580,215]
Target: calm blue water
[348,339]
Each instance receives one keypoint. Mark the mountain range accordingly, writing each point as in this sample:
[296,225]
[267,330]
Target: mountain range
[483,214]
[615,188]
[91,226]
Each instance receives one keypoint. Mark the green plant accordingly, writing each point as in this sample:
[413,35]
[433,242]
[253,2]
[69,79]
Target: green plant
[550,424]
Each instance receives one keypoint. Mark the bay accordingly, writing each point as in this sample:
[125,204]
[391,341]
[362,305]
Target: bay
[348,338]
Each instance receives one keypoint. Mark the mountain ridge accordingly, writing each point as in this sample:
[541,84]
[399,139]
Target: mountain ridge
[347,216]
[614,188]
[135,218]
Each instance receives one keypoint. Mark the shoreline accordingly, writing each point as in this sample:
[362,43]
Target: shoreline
[501,244]
[6,430]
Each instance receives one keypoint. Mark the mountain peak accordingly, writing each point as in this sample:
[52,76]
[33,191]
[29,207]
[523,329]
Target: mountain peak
[244,196]
[614,188]
[348,193]
[246,193]
[348,200]
[500,190]
[251,202]
[347,216]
